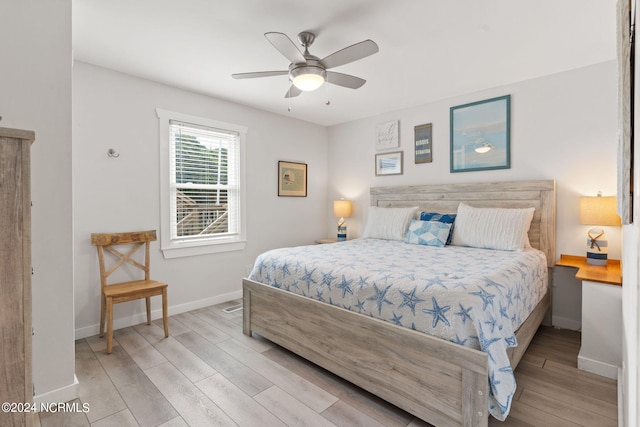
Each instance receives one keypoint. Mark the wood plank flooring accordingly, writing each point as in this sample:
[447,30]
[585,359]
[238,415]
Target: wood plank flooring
[207,373]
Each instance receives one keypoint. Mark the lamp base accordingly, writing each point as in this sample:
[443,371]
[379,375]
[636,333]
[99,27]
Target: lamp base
[342,233]
[597,252]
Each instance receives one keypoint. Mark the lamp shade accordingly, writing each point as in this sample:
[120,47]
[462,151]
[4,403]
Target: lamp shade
[598,210]
[342,208]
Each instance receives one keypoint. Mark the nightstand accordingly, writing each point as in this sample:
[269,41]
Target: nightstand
[601,344]
[328,240]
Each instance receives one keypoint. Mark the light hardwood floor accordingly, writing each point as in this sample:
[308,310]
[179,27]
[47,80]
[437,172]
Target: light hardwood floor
[207,373]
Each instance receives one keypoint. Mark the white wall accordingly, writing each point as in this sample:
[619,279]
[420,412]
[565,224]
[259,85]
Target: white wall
[630,314]
[115,110]
[563,127]
[35,94]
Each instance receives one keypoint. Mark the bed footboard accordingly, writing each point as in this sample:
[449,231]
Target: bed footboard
[438,381]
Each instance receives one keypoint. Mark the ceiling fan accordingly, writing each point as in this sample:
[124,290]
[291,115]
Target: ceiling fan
[308,72]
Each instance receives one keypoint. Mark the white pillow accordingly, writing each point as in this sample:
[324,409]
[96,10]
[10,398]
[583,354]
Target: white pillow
[492,228]
[388,223]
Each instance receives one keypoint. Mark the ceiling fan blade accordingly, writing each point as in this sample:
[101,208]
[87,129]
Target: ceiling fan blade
[292,92]
[286,47]
[344,80]
[259,74]
[351,53]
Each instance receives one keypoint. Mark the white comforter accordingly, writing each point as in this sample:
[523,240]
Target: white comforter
[473,297]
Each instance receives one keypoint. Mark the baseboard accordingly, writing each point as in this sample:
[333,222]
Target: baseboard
[89,331]
[597,367]
[567,323]
[60,395]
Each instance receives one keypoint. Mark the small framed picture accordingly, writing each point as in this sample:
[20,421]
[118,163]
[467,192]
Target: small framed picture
[480,135]
[389,163]
[292,179]
[423,143]
[387,135]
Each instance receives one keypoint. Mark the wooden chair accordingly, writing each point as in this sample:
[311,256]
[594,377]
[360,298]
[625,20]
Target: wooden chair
[127,291]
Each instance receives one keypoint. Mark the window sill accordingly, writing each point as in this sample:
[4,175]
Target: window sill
[202,248]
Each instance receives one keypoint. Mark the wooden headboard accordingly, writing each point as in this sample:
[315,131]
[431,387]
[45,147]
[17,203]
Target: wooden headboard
[444,198]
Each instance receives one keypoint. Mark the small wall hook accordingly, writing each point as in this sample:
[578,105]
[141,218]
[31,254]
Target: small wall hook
[113,153]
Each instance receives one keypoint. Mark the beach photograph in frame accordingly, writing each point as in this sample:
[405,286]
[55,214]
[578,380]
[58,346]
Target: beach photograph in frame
[480,135]
[389,163]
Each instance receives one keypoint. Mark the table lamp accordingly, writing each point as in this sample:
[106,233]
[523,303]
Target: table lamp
[342,210]
[598,211]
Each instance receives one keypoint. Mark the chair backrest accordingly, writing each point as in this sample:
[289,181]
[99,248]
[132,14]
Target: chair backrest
[105,241]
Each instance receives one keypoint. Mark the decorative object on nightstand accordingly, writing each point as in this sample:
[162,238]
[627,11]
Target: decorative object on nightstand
[342,210]
[598,211]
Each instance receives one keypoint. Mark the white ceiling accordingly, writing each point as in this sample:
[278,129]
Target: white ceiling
[429,49]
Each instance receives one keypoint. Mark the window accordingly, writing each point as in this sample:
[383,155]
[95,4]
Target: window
[202,192]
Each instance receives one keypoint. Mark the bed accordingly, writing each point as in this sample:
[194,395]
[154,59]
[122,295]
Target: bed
[439,381]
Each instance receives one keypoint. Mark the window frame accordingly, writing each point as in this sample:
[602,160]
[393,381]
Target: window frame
[206,245]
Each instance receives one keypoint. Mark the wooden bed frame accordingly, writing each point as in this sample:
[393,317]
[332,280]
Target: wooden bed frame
[438,381]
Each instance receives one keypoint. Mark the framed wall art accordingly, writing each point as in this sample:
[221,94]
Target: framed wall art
[292,179]
[389,163]
[480,135]
[387,135]
[423,143]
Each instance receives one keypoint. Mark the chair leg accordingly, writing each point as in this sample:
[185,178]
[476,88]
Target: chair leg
[148,310]
[102,313]
[165,318]
[109,304]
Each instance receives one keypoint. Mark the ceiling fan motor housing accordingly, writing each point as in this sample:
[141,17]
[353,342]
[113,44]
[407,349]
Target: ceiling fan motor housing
[306,38]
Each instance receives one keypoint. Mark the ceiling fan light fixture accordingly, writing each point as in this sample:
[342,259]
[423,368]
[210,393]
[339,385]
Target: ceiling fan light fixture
[308,78]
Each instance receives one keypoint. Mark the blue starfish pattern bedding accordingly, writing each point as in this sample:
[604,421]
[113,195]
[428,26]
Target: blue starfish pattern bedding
[473,297]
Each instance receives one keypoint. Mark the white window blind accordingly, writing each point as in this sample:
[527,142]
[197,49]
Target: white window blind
[204,182]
